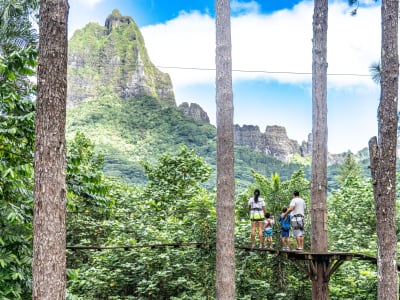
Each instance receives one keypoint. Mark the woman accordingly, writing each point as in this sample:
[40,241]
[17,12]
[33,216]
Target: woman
[257,212]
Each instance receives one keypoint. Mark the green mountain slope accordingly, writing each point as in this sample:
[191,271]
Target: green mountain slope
[128,131]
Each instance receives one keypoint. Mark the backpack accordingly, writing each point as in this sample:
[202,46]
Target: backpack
[286,224]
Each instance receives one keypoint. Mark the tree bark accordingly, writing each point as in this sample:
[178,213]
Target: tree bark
[49,237]
[319,231]
[225,261]
[383,155]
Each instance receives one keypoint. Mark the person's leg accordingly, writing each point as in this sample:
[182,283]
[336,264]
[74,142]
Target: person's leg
[284,235]
[301,242]
[253,233]
[260,232]
[298,242]
[298,235]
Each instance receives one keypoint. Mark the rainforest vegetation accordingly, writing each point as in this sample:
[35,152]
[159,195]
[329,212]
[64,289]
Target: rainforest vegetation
[149,219]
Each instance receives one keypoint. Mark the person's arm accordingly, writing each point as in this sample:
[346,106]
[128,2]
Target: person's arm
[291,208]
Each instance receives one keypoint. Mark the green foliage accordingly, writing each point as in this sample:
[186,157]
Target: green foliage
[173,207]
[351,217]
[161,192]
[176,178]
[85,181]
[349,168]
[16,31]
[352,228]
[16,157]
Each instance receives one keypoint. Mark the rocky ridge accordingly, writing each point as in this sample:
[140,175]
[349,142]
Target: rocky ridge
[273,142]
[194,111]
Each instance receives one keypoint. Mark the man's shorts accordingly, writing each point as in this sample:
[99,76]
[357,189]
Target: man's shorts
[298,232]
[268,232]
[285,233]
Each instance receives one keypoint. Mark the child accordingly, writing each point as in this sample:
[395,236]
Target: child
[285,228]
[268,223]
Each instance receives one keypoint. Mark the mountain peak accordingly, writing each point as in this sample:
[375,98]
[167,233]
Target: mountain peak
[115,19]
[113,59]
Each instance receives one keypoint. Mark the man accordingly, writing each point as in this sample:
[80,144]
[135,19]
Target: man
[296,209]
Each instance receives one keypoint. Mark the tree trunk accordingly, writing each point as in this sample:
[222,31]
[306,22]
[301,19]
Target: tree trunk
[49,244]
[383,155]
[225,261]
[319,235]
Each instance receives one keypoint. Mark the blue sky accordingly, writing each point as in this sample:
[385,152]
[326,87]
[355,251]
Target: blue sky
[271,44]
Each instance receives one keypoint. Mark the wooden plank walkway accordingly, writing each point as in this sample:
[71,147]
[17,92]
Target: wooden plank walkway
[306,260]
[332,260]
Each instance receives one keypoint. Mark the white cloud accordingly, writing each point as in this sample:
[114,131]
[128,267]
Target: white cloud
[188,42]
[89,3]
[278,42]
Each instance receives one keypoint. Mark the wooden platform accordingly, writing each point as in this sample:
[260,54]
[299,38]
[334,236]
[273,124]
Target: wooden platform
[306,260]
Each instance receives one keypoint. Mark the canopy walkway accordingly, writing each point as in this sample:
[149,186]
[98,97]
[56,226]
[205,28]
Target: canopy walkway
[304,260]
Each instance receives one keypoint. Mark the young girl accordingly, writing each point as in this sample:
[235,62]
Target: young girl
[268,223]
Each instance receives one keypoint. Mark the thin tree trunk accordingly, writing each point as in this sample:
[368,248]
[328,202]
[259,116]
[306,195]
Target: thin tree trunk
[383,155]
[225,261]
[319,231]
[49,242]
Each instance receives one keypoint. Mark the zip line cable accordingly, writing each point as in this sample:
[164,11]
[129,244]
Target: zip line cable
[233,70]
[263,71]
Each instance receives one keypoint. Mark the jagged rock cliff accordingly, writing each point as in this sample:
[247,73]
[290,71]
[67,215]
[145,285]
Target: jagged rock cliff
[274,141]
[113,59]
[194,111]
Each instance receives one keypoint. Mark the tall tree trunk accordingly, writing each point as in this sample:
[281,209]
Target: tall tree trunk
[383,155]
[319,235]
[49,242]
[225,264]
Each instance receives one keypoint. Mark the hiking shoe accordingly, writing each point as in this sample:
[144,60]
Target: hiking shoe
[253,246]
[261,247]
[299,249]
